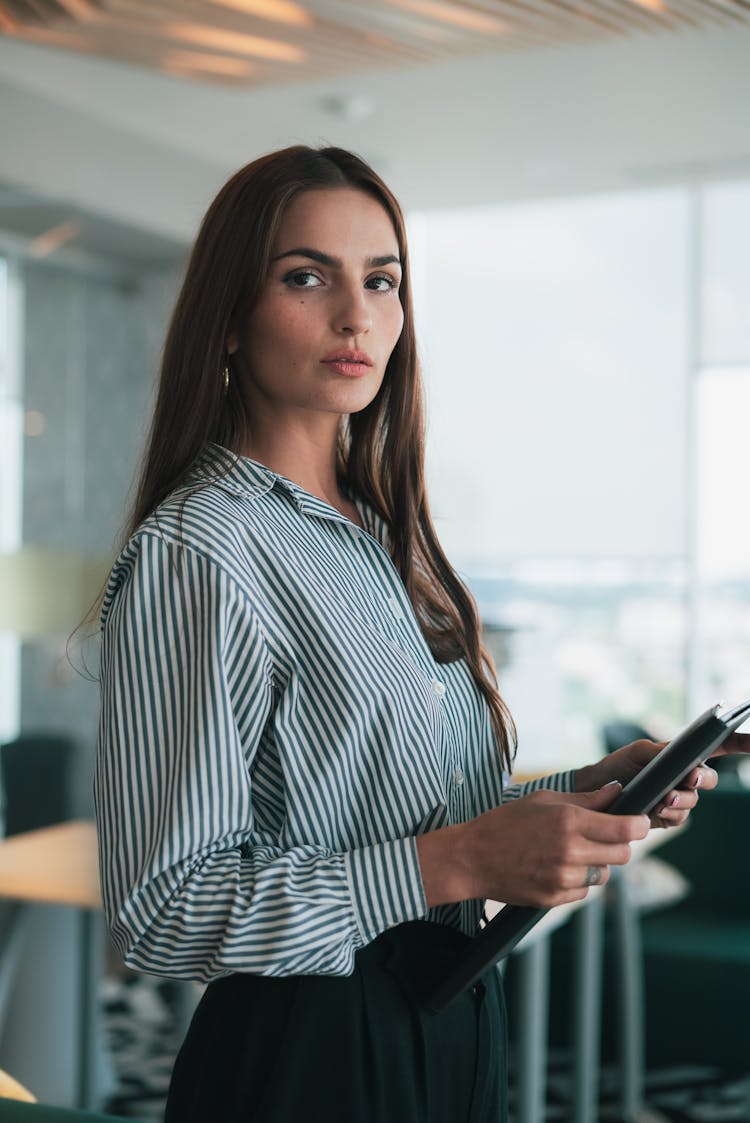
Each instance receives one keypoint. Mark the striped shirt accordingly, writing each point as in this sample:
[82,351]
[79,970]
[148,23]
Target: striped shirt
[275,733]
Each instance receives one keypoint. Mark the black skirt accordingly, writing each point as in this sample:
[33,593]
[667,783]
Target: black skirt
[359,1049]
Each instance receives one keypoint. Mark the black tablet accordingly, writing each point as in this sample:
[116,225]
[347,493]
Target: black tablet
[692,746]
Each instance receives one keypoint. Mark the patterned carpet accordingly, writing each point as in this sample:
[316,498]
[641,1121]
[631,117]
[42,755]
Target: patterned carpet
[671,1095]
[142,1027]
[693,1095]
[144,1019]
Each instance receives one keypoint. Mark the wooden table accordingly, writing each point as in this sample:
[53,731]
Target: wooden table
[53,865]
[59,865]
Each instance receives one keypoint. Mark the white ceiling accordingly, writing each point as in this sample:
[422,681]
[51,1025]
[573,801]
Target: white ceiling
[142,152]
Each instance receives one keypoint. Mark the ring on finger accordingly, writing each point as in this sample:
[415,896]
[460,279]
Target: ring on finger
[593,876]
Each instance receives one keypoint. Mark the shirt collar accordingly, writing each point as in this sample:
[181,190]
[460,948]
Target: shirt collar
[247,477]
[216,464]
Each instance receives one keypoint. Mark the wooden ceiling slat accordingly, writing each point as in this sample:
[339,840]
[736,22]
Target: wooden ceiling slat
[403,21]
[696,8]
[326,37]
[123,47]
[640,17]
[410,29]
[736,11]
[392,23]
[563,15]
[342,35]
[584,12]
[528,14]
[700,13]
[8,22]
[553,15]
[546,22]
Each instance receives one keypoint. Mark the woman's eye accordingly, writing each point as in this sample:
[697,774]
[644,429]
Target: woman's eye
[382,283]
[303,279]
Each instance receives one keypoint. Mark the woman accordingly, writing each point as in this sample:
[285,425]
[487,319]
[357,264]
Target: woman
[302,772]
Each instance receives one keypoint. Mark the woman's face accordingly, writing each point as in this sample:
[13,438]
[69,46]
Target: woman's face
[329,316]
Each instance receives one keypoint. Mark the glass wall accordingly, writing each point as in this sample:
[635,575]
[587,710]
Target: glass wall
[11,451]
[581,357]
[723,539]
[78,351]
[722,593]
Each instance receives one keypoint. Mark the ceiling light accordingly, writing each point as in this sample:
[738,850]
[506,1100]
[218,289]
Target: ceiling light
[652,5]
[467,18]
[185,62]
[278,11]
[81,10]
[234,42]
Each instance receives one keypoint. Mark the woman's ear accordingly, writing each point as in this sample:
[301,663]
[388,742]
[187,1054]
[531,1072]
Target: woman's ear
[232,343]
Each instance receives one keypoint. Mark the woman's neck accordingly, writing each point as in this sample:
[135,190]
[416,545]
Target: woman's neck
[310,464]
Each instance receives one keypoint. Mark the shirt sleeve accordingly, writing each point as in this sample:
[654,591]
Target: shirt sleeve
[556,782]
[192,888]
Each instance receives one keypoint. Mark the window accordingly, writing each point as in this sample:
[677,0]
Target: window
[571,430]
[11,451]
[723,535]
[721,563]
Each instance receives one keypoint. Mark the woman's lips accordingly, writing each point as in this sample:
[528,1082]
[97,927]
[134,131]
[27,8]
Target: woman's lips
[347,367]
[352,364]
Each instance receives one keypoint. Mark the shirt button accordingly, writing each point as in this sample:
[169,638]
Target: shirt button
[458,777]
[439,687]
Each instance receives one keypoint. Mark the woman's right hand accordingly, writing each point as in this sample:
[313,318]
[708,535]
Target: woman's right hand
[542,850]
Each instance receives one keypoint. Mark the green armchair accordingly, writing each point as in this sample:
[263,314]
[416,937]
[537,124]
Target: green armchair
[697,953]
[13,1111]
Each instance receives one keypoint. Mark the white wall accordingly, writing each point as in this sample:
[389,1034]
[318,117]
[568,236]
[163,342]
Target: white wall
[152,150]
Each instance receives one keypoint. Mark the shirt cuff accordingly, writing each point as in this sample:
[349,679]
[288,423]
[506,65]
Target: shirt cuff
[386,887]
[556,782]
[565,781]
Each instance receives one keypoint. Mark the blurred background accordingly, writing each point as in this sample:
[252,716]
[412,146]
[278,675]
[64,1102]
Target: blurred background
[576,179]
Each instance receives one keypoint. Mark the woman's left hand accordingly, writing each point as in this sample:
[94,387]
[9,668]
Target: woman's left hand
[625,763]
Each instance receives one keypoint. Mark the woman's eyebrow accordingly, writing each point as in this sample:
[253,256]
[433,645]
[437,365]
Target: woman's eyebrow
[335,262]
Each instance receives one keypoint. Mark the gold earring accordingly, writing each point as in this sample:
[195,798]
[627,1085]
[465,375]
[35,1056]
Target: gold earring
[225,377]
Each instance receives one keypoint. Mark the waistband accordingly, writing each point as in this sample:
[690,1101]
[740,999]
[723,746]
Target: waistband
[419,953]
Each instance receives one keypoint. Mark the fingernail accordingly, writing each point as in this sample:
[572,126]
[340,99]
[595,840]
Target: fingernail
[674,800]
[612,784]
[699,780]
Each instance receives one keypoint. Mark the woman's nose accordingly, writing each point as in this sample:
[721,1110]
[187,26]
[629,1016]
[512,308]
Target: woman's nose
[352,314]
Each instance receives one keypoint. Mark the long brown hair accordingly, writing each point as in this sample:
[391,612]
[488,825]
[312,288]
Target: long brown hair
[381,453]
